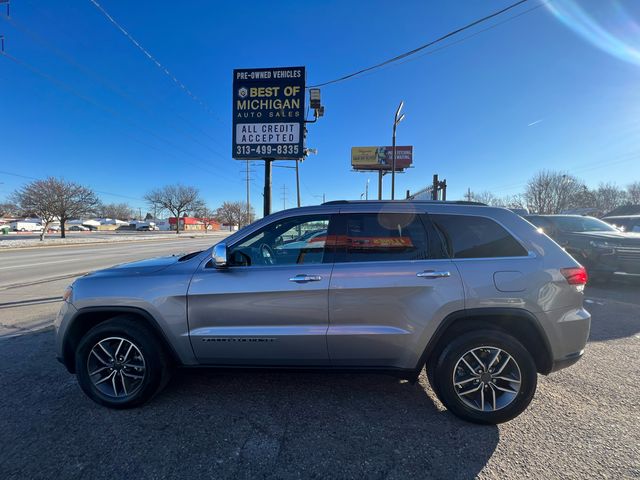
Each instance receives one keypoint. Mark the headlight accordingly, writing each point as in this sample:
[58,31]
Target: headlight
[600,244]
[68,294]
[603,247]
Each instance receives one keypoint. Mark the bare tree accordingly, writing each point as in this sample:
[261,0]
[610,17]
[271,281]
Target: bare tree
[235,213]
[72,201]
[120,211]
[485,197]
[8,208]
[633,193]
[513,201]
[609,196]
[206,216]
[177,199]
[54,198]
[552,192]
[35,199]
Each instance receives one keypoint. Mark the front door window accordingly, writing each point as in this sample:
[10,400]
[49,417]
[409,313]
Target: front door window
[291,241]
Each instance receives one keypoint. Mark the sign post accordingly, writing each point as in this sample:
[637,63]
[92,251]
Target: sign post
[268,117]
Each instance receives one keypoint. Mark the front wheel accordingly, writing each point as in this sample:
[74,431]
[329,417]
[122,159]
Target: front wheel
[485,377]
[120,364]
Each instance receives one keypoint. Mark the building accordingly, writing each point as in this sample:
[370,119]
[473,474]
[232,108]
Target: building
[194,224]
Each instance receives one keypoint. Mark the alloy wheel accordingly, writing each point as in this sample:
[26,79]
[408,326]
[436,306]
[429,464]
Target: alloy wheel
[487,379]
[116,367]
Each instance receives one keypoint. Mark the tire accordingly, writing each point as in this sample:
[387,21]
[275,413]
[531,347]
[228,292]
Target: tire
[146,358]
[511,361]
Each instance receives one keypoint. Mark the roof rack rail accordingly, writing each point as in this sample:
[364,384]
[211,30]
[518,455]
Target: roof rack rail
[448,202]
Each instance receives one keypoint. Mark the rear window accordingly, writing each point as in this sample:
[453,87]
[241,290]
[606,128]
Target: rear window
[468,236]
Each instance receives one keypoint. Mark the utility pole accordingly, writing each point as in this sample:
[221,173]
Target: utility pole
[397,119]
[284,197]
[366,190]
[248,195]
[267,187]
[298,183]
[468,195]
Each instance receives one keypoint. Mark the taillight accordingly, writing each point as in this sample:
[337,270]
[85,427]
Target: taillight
[575,275]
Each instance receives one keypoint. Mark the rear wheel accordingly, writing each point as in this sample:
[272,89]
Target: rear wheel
[121,364]
[485,377]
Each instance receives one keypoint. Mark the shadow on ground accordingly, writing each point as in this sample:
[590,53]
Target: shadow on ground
[229,425]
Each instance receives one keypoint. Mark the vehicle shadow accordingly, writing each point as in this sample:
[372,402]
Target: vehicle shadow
[215,424]
[614,308]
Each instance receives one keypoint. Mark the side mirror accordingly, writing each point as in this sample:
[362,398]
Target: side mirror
[220,255]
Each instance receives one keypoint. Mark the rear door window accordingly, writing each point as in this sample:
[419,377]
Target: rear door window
[470,236]
[382,237]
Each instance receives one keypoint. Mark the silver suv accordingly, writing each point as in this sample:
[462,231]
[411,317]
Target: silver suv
[475,293]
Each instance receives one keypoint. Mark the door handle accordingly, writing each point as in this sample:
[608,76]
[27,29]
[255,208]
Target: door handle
[433,274]
[305,278]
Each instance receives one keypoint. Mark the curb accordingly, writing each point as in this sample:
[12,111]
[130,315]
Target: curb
[133,240]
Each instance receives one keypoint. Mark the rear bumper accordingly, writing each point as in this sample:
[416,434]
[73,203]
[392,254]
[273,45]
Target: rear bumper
[567,361]
[568,332]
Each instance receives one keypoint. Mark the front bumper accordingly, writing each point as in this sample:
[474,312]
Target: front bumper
[60,324]
[622,260]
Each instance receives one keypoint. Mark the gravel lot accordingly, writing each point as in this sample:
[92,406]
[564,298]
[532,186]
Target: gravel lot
[584,421]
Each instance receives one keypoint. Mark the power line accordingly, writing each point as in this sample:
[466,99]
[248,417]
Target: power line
[90,72]
[420,48]
[106,83]
[26,177]
[461,40]
[620,159]
[155,61]
[112,112]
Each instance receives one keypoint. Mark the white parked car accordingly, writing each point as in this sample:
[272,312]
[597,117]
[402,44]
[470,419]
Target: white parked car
[26,226]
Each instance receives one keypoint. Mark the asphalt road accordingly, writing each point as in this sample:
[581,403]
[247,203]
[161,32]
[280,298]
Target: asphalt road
[583,423]
[33,279]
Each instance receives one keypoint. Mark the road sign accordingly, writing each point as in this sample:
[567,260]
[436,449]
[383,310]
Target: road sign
[268,113]
[381,158]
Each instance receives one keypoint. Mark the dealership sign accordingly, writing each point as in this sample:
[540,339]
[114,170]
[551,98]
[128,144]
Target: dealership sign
[268,113]
[381,158]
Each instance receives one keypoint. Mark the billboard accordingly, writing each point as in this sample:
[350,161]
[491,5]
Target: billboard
[268,113]
[381,158]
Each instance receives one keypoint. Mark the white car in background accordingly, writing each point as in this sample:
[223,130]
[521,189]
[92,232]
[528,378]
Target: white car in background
[26,226]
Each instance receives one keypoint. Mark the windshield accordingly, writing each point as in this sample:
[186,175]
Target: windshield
[581,224]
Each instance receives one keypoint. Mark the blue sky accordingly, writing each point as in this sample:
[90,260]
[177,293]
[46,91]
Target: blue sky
[544,90]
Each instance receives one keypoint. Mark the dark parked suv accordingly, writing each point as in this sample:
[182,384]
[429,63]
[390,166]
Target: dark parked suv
[603,249]
[476,293]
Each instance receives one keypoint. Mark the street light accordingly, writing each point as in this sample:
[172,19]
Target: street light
[397,119]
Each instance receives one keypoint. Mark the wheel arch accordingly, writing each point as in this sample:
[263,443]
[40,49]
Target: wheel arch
[519,323]
[87,318]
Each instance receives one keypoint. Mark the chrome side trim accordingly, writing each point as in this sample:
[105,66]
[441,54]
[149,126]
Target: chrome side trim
[259,331]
